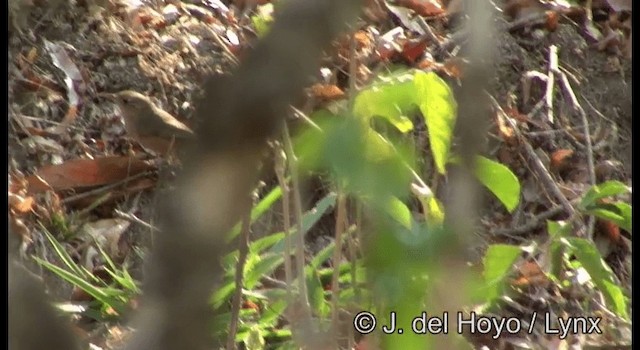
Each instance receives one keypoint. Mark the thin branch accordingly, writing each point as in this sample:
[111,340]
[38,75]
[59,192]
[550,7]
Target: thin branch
[105,188]
[132,218]
[532,223]
[548,94]
[537,164]
[587,135]
[297,203]
[341,218]
[243,249]
[280,167]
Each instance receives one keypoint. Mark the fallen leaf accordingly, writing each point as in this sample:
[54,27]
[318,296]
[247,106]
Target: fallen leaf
[552,19]
[414,49]
[530,274]
[455,67]
[73,80]
[19,204]
[326,92]
[106,233]
[426,8]
[560,160]
[79,173]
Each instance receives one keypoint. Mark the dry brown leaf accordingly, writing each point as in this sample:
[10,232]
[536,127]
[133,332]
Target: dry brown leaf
[560,160]
[427,8]
[552,19]
[455,67]
[530,274]
[414,49]
[127,189]
[19,204]
[326,92]
[73,80]
[505,131]
[79,173]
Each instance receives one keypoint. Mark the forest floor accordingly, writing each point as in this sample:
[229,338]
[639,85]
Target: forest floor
[61,56]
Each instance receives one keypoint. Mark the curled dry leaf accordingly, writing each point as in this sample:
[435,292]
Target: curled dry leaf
[106,233]
[19,204]
[73,80]
[560,160]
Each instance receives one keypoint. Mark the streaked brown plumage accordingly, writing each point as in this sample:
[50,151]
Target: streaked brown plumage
[147,123]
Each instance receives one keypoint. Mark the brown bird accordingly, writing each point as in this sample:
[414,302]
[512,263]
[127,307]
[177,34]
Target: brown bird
[150,125]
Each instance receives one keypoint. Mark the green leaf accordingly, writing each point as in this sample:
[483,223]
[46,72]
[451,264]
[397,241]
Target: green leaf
[399,212]
[500,181]
[498,261]
[431,207]
[316,294]
[603,190]
[587,253]
[439,108]
[258,210]
[309,219]
[255,340]
[263,19]
[263,266]
[392,100]
[107,296]
[619,213]
[222,293]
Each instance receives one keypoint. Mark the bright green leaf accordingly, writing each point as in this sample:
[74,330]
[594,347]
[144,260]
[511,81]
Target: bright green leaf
[439,109]
[498,261]
[392,100]
[603,190]
[500,181]
[590,258]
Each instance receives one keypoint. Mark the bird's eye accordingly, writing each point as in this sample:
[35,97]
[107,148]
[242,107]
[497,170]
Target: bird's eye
[126,100]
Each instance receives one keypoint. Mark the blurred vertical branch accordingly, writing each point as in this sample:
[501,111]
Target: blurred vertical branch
[239,114]
[472,123]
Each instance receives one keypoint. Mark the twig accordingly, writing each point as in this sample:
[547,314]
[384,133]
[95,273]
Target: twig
[243,249]
[537,164]
[225,48]
[270,282]
[132,218]
[527,21]
[429,33]
[527,78]
[305,118]
[353,259]
[297,203]
[548,94]
[337,257]
[105,188]
[280,168]
[532,223]
[587,135]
